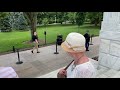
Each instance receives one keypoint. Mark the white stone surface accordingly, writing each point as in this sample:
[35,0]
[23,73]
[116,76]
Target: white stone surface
[102,59]
[107,60]
[109,26]
[102,67]
[109,51]
[101,70]
[117,75]
[115,48]
[111,17]
[52,74]
[104,47]
[102,76]
[116,65]
[110,73]
[110,35]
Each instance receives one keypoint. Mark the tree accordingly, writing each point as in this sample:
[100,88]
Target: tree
[95,17]
[22,23]
[18,21]
[5,21]
[71,16]
[80,18]
[32,21]
[49,15]
[45,22]
[40,17]
[3,15]
[65,16]
[60,17]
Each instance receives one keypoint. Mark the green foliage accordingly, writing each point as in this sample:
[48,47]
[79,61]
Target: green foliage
[3,15]
[59,17]
[95,17]
[71,16]
[53,17]
[40,17]
[80,18]
[65,16]
[22,23]
[18,21]
[45,21]
[31,17]
[5,22]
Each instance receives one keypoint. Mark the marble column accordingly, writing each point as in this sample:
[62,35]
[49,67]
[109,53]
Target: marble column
[109,51]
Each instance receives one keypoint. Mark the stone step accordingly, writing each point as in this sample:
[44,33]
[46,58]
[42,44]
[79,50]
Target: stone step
[111,73]
[53,74]
[107,73]
[117,75]
[101,70]
[102,73]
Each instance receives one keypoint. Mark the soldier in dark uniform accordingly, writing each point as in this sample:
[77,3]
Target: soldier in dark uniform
[87,37]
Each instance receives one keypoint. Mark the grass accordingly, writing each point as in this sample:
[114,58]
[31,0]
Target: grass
[17,38]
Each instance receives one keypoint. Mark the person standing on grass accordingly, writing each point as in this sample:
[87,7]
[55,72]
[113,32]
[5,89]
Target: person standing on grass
[35,41]
[81,67]
[87,40]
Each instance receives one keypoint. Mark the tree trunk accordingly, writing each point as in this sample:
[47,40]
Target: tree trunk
[96,23]
[33,26]
[32,21]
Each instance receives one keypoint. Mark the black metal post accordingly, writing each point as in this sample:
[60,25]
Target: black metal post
[56,49]
[19,62]
[91,40]
[13,49]
[45,39]
[45,36]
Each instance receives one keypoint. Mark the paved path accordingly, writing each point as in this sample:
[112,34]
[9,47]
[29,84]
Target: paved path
[37,64]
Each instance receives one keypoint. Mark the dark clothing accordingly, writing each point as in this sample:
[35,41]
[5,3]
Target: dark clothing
[87,45]
[34,37]
[87,38]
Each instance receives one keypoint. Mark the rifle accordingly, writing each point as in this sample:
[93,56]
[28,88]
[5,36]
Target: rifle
[62,76]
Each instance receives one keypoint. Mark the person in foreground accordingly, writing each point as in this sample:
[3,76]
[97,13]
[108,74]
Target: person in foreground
[8,72]
[81,67]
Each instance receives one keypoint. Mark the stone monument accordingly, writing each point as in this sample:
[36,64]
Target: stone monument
[109,51]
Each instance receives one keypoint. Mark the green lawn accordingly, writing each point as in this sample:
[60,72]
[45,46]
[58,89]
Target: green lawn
[17,38]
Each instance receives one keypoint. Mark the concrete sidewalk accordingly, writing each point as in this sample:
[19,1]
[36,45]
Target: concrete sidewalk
[37,64]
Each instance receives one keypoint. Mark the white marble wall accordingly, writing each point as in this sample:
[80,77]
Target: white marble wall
[109,51]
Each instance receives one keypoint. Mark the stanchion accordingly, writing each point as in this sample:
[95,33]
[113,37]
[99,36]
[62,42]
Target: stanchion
[56,49]
[19,62]
[13,49]
[91,39]
[45,36]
